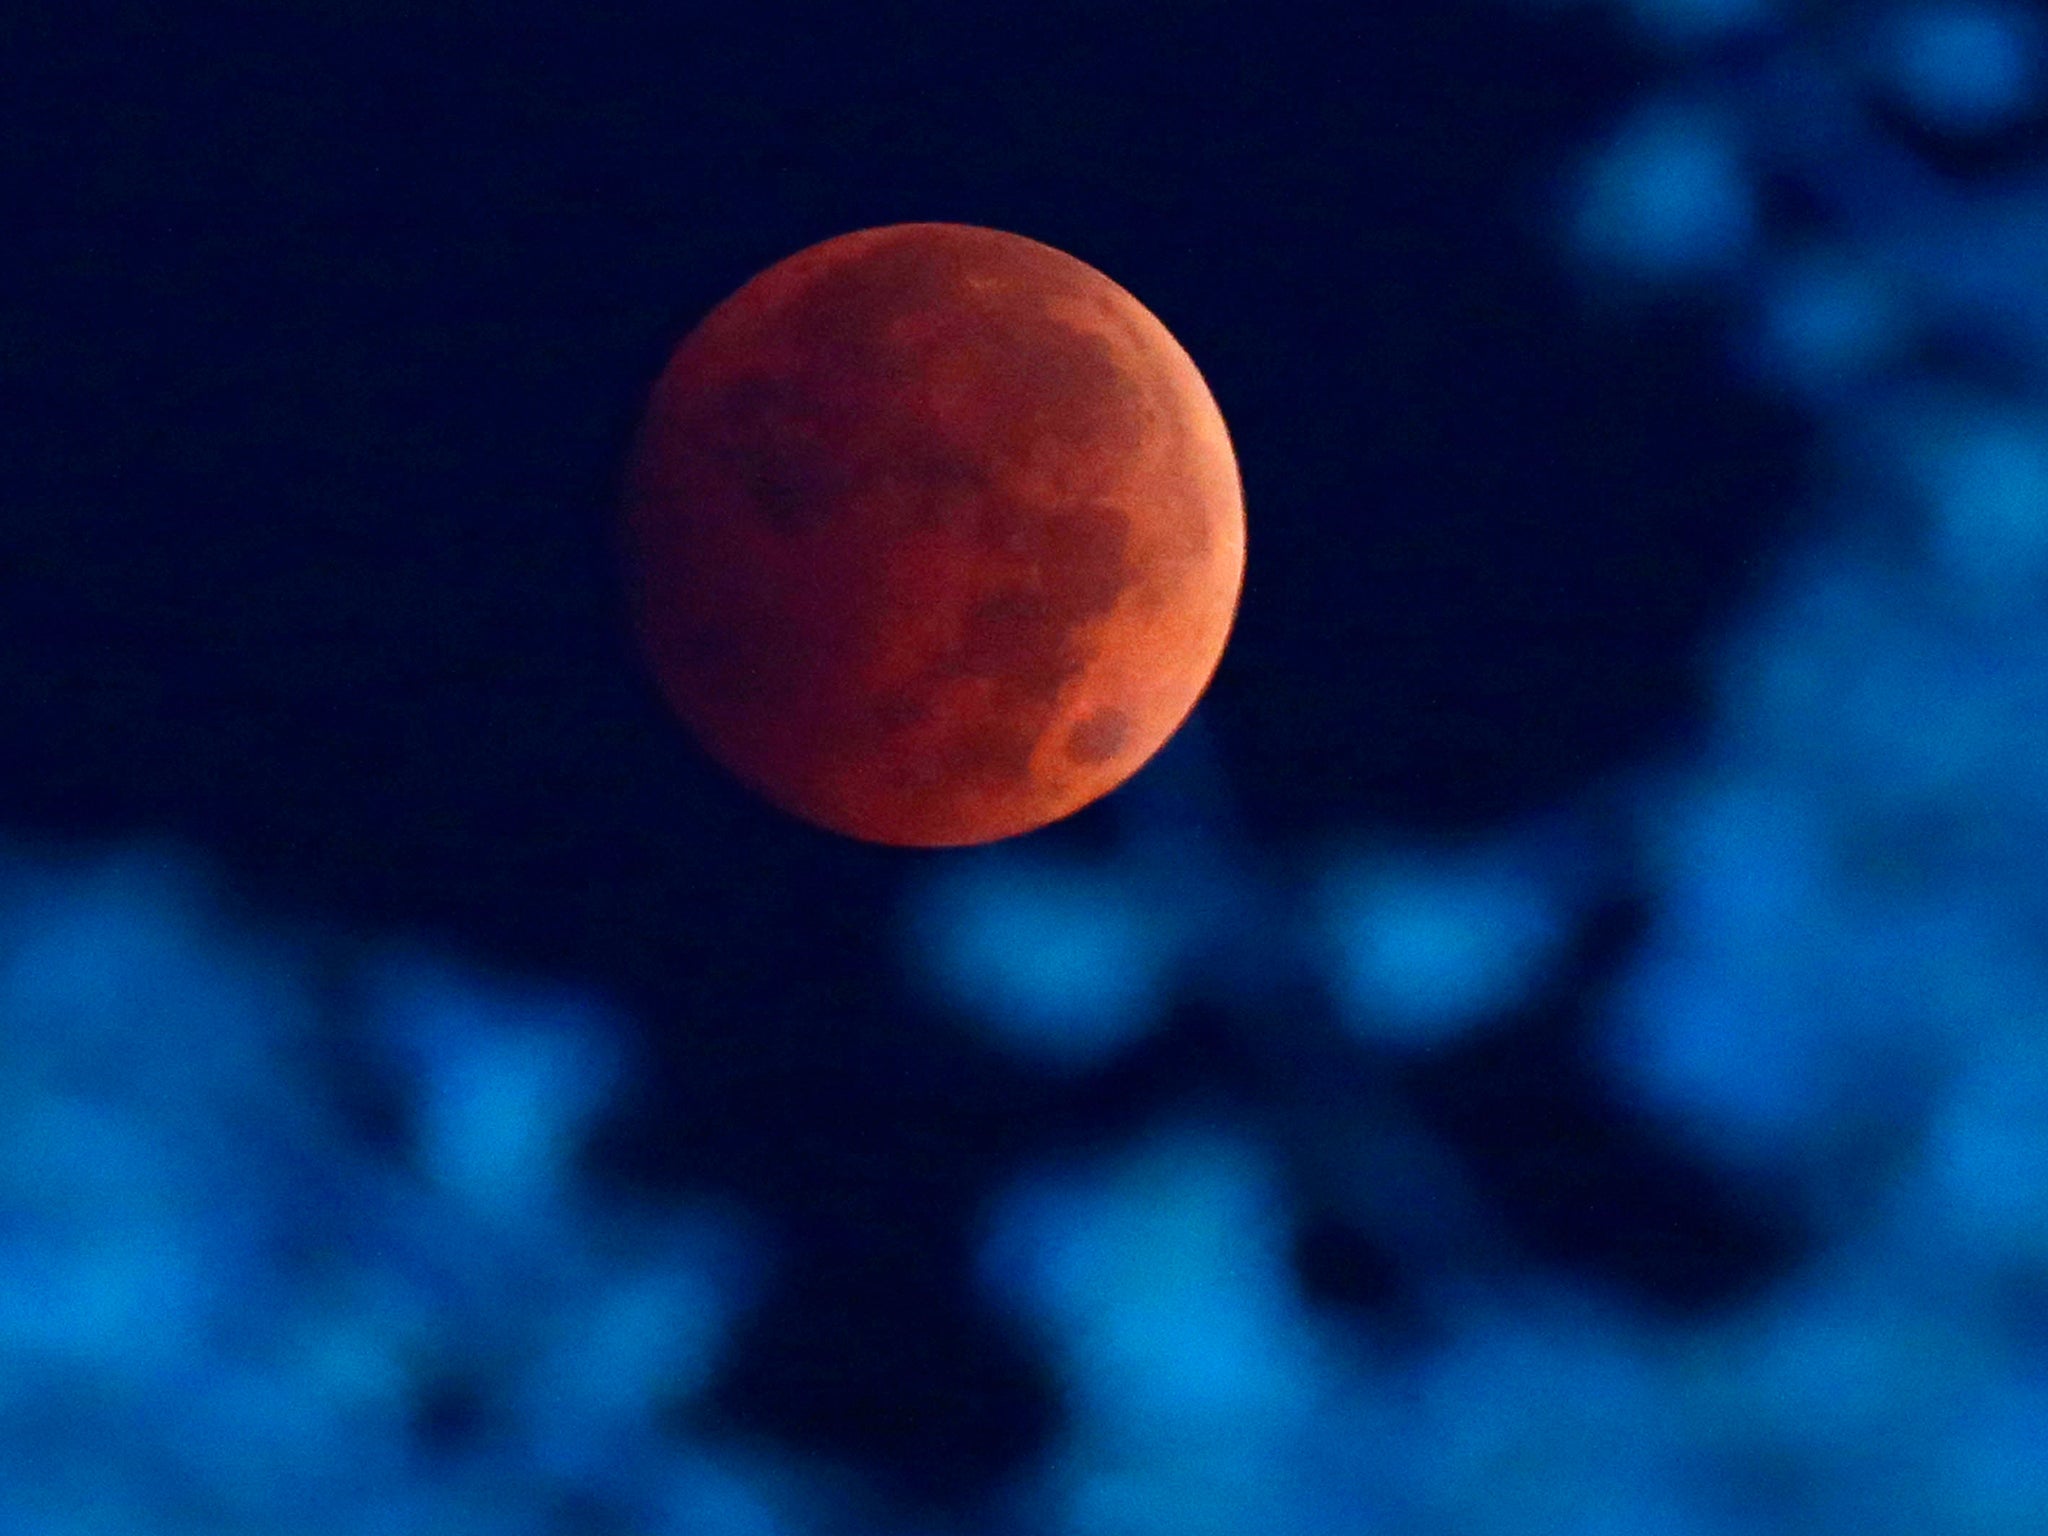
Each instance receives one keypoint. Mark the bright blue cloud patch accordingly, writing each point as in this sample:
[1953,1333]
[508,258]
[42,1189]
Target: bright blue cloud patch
[1058,961]
[1419,949]
[1734,1057]
[1714,1020]
[1160,1284]
[1987,1169]
[1983,482]
[507,1079]
[1962,65]
[1667,196]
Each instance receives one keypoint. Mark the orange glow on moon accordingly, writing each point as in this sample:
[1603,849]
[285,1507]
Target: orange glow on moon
[935,534]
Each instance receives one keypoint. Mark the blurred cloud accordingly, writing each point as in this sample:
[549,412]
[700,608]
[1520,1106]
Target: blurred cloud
[508,1080]
[1666,196]
[1964,66]
[1693,22]
[223,1309]
[1160,1281]
[1421,947]
[1982,479]
[1062,962]
[1826,323]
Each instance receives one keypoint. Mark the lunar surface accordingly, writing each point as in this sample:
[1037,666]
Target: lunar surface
[935,534]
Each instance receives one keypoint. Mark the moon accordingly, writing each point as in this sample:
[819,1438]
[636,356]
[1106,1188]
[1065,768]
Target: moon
[934,534]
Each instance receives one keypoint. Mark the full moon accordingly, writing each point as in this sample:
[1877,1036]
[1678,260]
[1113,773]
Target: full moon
[934,534]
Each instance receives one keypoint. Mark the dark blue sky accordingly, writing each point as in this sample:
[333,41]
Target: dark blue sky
[320,345]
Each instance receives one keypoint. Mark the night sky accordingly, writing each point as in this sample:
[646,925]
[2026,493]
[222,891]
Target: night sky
[320,347]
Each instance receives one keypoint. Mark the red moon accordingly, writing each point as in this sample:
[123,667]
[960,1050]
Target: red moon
[935,534]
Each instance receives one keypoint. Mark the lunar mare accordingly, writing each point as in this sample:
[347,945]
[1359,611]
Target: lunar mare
[935,534]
